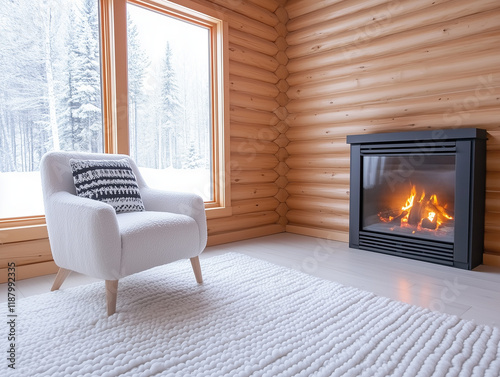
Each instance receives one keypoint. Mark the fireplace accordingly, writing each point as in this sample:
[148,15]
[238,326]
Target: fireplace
[419,195]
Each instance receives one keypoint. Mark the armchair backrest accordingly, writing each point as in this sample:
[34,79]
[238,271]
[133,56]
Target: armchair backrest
[57,175]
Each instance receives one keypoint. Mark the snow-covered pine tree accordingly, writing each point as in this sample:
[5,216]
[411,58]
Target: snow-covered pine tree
[138,63]
[192,159]
[169,132]
[86,80]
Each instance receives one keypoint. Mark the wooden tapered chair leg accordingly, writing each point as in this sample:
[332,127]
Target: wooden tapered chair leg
[111,293]
[195,263]
[62,274]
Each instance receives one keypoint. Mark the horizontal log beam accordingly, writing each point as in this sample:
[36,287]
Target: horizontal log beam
[270,5]
[385,20]
[296,8]
[493,201]
[248,56]
[320,190]
[471,45]
[493,161]
[332,176]
[325,14]
[450,108]
[328,234]
[493,177]
[249,10]
[491,223]
[481,118]
[23,233]
[24,253]
[254,102]
[321,146]
[29,271]
[254,205]
[238,235]
[404,91]
[251,72]
[252,42]
[318,220]
[252,86]
[492,242]
[318,161]
[253,27]
[250,116]
[252,147]
[318,205]
[241,222]
[253,176]
[253,132]
[350,48]
[253,162]
[253,191]
[412,75]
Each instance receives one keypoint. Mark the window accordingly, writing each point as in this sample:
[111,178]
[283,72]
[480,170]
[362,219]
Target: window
[69,88]
[50,96]
[170,123]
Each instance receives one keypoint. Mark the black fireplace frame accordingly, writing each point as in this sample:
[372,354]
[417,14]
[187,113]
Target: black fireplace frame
[468,145]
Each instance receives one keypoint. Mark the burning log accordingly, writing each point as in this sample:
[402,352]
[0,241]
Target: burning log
[428,224]
[415,214]
[398,218]
[392,217]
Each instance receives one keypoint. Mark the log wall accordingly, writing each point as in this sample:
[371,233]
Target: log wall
[257,96]
[384,66]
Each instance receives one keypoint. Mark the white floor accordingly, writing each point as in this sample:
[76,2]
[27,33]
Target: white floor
[471,295]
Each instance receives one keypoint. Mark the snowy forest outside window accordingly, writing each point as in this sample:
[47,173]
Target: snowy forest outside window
[50,92]
[64,87]
[169,101]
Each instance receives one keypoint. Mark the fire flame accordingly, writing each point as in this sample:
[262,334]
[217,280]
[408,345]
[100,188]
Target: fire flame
[431,216]
[421,213]
[409,201]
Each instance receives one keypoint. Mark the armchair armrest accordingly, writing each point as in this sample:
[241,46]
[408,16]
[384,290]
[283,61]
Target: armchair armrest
[84,233]
[182,203]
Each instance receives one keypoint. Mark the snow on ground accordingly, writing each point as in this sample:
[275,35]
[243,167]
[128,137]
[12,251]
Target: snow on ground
[192,180]
[21,193]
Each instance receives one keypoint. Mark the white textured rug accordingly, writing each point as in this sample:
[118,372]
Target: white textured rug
[249,318]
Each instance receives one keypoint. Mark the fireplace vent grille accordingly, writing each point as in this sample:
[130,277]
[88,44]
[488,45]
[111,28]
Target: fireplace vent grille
[409,148]
[430,251]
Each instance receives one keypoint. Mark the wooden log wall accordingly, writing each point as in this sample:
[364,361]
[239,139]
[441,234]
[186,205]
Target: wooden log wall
[384,66]
[257,83]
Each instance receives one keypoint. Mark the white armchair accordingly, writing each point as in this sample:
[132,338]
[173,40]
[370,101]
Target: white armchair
[89,237]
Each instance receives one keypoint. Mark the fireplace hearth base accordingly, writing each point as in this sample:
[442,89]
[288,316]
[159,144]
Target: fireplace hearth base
[419,195]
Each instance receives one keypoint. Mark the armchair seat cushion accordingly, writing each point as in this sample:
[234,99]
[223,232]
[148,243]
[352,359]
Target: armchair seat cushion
[152,238]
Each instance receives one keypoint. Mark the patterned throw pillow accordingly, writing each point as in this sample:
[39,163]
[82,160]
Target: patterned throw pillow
[110,181]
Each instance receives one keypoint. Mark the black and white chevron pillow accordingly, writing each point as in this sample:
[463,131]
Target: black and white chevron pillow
[110,181]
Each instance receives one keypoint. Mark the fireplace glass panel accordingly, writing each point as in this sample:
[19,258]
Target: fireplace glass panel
[412,195]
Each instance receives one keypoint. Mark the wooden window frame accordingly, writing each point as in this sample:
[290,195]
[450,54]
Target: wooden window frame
[113,39]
